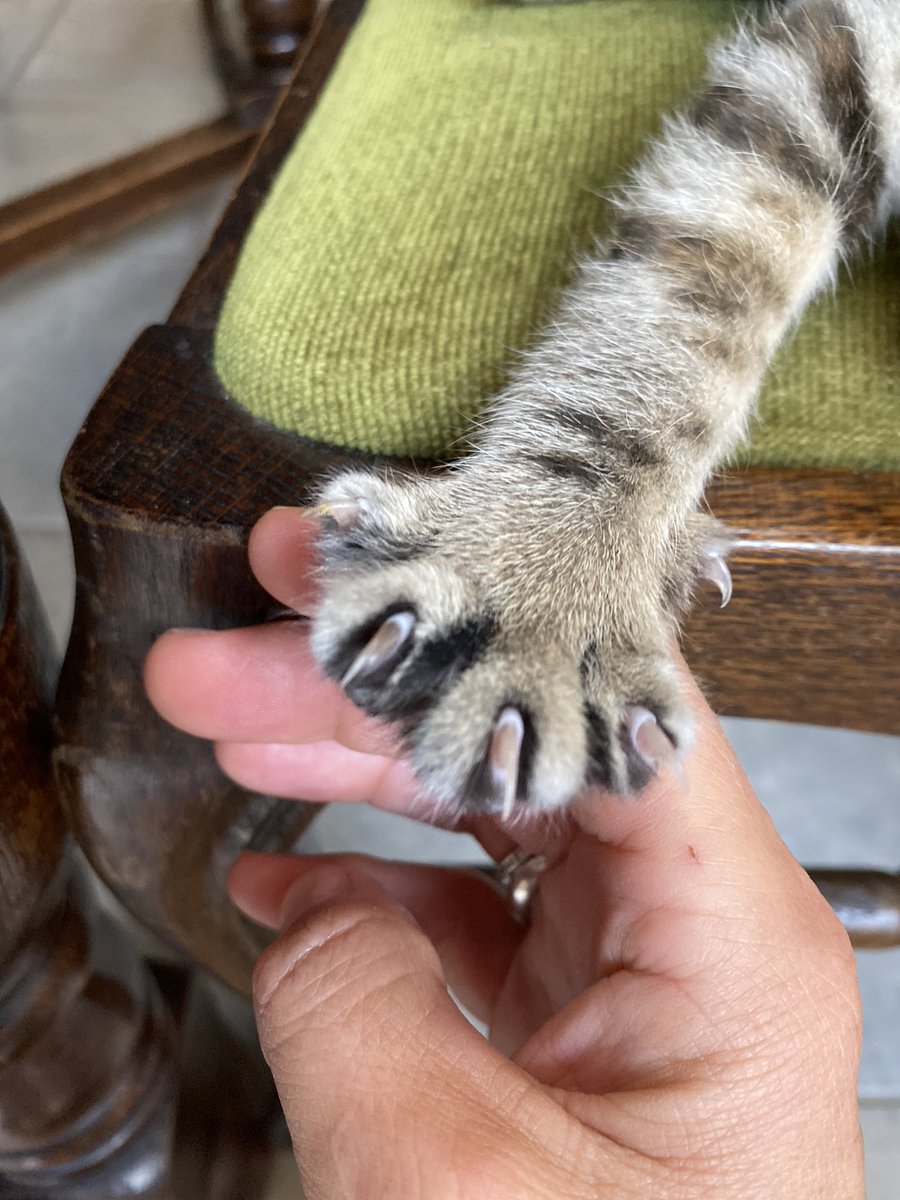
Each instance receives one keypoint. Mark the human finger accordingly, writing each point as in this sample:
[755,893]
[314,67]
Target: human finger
[466,919]
[254,685]
[362,1038]
[282,555]
[323,771]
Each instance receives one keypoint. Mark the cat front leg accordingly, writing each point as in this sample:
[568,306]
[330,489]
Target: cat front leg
[514,616]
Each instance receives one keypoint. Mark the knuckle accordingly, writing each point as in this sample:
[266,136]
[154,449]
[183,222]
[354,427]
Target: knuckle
[320,956]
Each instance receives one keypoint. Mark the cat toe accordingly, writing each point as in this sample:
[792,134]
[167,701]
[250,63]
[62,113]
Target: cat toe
[638,723]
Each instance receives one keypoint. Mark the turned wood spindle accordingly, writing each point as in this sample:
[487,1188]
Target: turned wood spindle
[275,32]
[86,1063]
[255,45]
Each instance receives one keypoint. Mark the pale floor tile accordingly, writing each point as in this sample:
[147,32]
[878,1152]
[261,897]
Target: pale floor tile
[832,792]
[24,26]
[64,326]
[881,1131]
[97,45]
[110,77]
[49,555]
[46,139]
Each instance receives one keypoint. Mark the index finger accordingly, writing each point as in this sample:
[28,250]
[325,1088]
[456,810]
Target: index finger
[282,554]
[254,685]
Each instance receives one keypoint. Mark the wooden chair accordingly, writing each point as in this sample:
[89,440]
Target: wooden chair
[255,55]
[117,1078]
[87,1052]
[168,475]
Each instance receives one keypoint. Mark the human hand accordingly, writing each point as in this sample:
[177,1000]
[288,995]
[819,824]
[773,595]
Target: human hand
[680,1017]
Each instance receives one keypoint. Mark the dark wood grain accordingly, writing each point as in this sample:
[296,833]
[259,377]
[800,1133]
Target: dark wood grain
[157,819]
[812,633]
[86,1060]
[228,1121]
[111,197]
[165,441]
[776,509]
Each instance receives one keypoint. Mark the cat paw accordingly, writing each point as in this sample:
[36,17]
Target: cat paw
[521,651]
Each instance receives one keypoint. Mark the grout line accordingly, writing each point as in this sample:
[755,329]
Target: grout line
[19,68]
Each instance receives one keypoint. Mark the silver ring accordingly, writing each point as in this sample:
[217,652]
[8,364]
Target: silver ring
[518,876]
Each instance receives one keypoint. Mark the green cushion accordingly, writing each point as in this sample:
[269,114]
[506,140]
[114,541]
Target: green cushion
[427,216]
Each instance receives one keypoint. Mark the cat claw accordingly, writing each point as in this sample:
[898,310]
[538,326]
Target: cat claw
[715,569]
[344,513]
[383,647]
[652,745]
[503,759]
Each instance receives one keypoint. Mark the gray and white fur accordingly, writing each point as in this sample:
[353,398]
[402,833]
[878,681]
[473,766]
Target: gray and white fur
[515,614]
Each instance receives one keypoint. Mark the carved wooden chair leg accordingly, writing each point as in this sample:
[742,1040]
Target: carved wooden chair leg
[159,822]
[228,1112]
[87,1098]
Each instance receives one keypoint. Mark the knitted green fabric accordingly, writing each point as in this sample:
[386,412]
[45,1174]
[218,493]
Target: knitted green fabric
[426,218]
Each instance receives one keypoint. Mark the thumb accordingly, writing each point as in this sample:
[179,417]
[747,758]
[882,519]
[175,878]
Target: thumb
[386,1088]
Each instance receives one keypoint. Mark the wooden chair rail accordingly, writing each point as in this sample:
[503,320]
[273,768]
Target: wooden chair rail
[867,903]
[102,201]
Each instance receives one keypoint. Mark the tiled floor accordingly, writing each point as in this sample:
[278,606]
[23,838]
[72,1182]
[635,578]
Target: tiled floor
[64,325]
[82,81]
